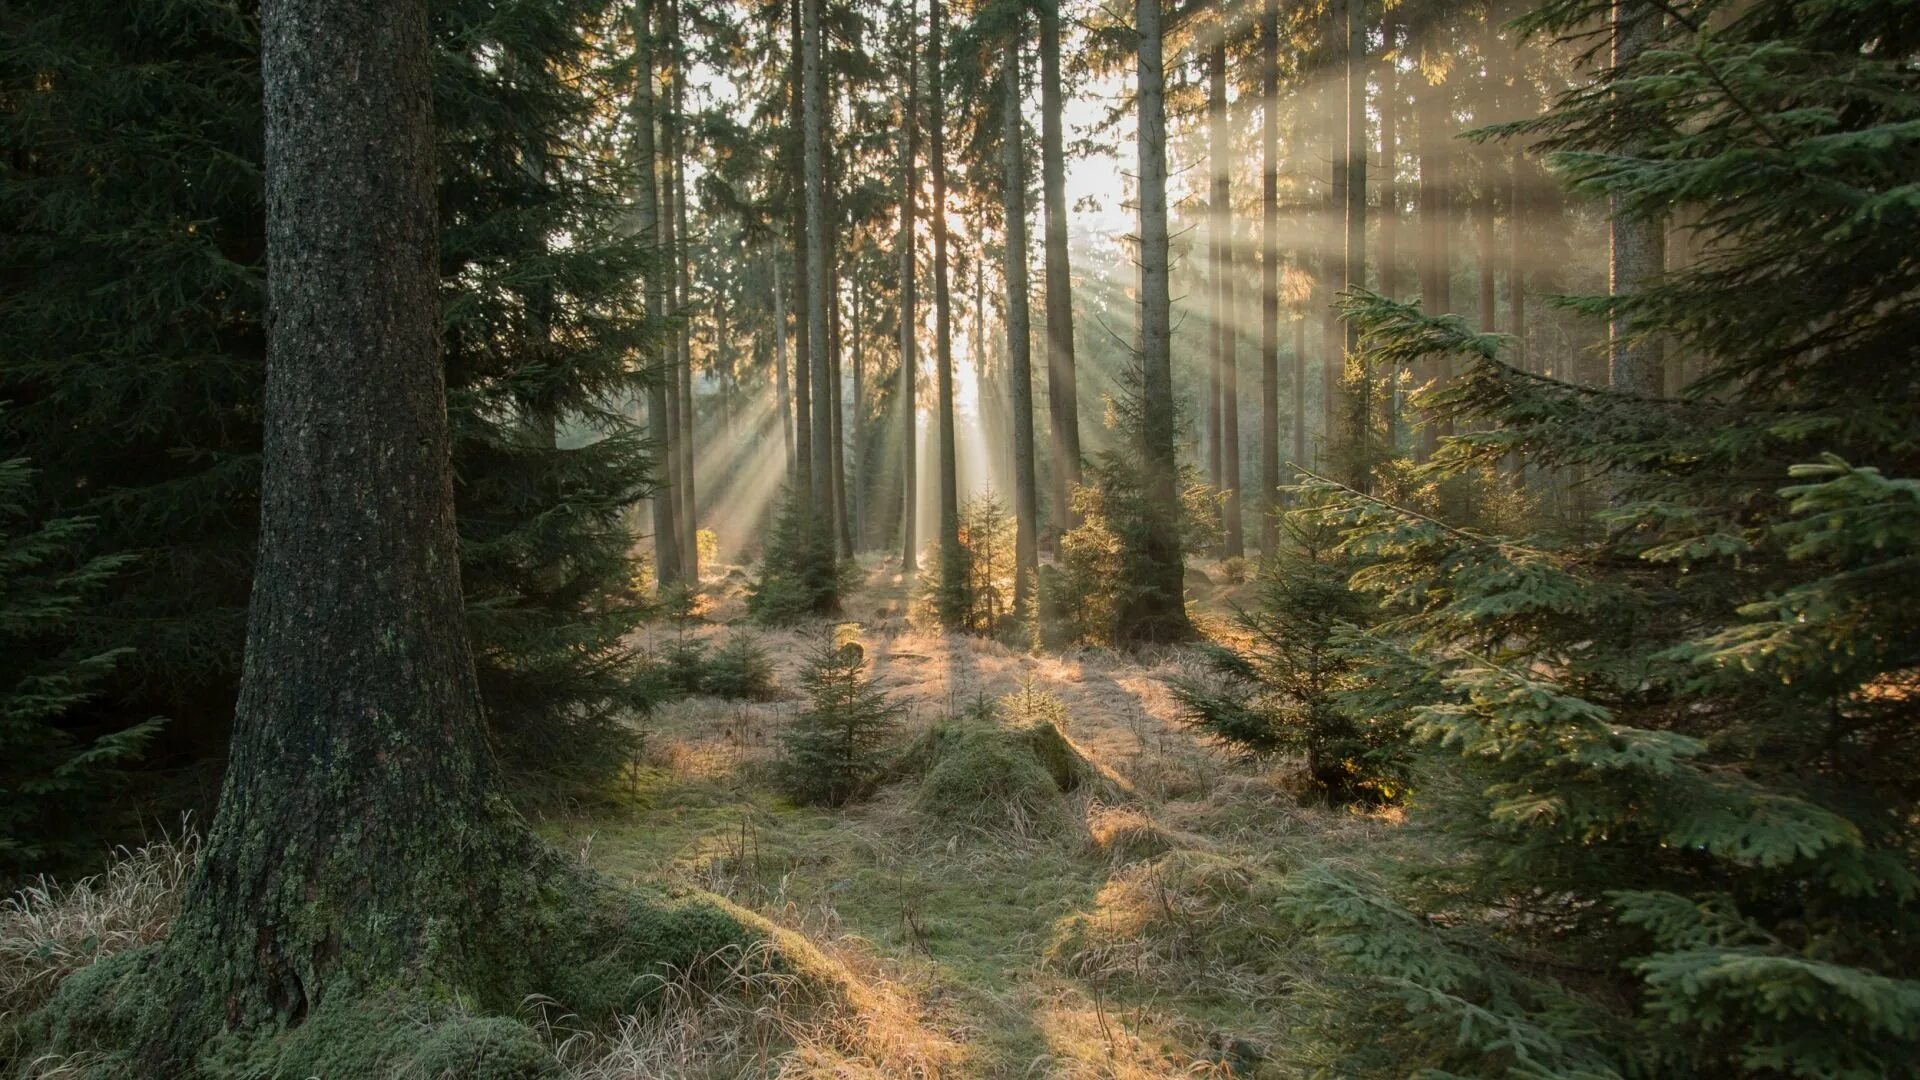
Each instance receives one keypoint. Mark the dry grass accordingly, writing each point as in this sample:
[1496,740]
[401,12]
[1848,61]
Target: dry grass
[48,931]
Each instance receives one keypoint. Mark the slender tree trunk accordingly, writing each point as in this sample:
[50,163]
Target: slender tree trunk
[1156,608]
[1026,497]
[1296,143]
[1063,404]
[819,281]
[1638,249]
[1269,275]
[1217,225]
[361,820]
[1226,363]
[666,536]
[687,512]
[1483,212]
[1354,274]
[1389,211]
[1517,256]
[1435,125]
[951,556]
[803,339]
[1332,261]
[909,303]
[780,359]
[854,484]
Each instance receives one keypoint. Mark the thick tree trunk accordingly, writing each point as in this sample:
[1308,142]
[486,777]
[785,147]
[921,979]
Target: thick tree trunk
[1226,364]
[909,304]
[1063,402]
[1638,249]
[1026,499]
[1156,607]
[951,557]
[362,832]
[1269,275]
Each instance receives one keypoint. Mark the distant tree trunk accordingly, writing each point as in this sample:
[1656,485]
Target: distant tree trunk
[1296,143]
[1484,211]
[1226,364]
[1063,403]
[666,536]
[1638,248]
[855,507]
[1390,203]
[819,280]
[1435,124]
[1218,222]
[951,557]
[802,336]
[361,821]
[1026,499]
[1354,275]
[909,302]
[1156,606]
[1333,259]
[1517,256]
[780,359]
[687,512]
[1269,275]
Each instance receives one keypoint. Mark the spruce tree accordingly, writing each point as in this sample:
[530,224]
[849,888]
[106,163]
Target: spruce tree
[833,752]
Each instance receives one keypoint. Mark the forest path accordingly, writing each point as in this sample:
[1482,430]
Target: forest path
[1135,940]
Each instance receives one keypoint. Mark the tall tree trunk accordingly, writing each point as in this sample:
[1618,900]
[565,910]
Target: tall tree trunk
[803,339]
[1354,275]
[1063,403]
[1390,202]
[1226,365]
[361,820]
[1217,225]
[687,512]
[1517,256]
[1156,607]
[854,500]
[1026,498]
[1333,259]
[951,556]
[819,280]
[780,359]
[666,535]
[1296,144]
[1269,275]
[1435,123]
[909,303]
[1483,212]
[1638,242]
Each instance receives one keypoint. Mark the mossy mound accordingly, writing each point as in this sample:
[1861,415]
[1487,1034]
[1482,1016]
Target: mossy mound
[1129,834]
[983,774]
[596,951]
[1194,920]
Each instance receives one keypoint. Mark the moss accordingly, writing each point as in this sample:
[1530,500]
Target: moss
[988,776]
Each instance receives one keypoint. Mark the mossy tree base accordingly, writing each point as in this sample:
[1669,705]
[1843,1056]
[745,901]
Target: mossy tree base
[595,950]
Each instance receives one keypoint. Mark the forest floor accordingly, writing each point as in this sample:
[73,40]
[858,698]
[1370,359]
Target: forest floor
[1133,934]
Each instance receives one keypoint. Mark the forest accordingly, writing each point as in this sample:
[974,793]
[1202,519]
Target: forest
[1099,539]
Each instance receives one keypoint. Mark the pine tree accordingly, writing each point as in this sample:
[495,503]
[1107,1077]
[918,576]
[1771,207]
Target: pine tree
[833,749]
[55,773]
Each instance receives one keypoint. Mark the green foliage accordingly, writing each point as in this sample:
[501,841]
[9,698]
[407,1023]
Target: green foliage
[132,346]
[834,751]
[972,590]
[799,577]
[738,670]
[55,773]
[1285,691]
[1104,566]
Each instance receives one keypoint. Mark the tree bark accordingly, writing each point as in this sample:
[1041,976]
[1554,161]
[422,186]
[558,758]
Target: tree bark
[687,511]
[361,826]
[1638,243]
[1354,269]
[803,341]
[909,303]
[1026,499]
[1269,274]
[780,359]
[1517,256]
[1226,363]
[951,556]
[666,535]
[1156,607]
[819,283]
[1063,402]
[1434,121]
